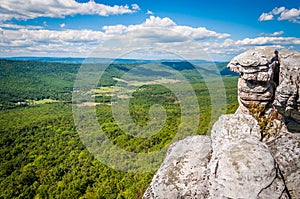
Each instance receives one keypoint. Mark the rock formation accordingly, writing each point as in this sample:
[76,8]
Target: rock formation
[260,84]
[287,98]
[256,78]
[231,163]
[184,172]
[234,161]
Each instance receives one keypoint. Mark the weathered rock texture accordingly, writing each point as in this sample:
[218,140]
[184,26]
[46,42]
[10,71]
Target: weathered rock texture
[232,163]
[236,161]
[184,172]
[287,100]
[256,70]
[241,165]
[285,148]
[259,84]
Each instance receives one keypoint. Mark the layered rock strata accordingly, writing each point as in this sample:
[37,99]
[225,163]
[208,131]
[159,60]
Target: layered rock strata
[255,86]
[271,81]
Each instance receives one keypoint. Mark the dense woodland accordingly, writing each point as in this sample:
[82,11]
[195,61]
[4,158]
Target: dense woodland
[41,154]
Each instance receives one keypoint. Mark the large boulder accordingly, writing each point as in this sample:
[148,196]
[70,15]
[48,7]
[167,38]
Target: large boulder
[184,173]
[256,86]
[241,165]
[233,163]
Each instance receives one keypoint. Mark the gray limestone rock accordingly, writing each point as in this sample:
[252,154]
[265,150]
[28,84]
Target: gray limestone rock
[241,166]
[234,163]
[287,99]
[285,148]
[184,172]
[258,82]
[253,87]
[256,69]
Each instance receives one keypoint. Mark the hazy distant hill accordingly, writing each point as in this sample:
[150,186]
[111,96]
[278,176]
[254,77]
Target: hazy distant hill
[79,60]
[175,64]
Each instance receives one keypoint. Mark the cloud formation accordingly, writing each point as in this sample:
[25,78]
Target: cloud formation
[162,33]
[269,41]
[113,41]
[15,26]
[149,12]
[163,30]
[266,17]
[292,15]
[274,34]
[30,9]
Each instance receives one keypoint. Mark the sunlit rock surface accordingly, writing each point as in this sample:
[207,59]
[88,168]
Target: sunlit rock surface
[231,163]
[184,172]
[236,161]
[261,83]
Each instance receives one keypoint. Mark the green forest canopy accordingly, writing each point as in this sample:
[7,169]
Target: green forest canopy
[42,155]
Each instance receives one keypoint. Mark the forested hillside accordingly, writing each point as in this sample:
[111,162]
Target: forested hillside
[41,154]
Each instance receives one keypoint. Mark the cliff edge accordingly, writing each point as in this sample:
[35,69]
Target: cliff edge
[242,158]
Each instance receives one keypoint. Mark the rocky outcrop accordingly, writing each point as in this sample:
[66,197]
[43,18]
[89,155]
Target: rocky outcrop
[241,165]
[287,99]
[184,172]
[239,160]
[270,80]
[285,148]
[231,163]
[256,85]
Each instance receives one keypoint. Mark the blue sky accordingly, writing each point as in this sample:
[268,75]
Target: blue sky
[189,28]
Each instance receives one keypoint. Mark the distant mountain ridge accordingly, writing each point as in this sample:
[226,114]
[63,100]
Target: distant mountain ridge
[80,60]
[173,63]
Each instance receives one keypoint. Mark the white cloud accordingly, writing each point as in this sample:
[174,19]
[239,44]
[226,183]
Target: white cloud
[135,7]
[266,17]
[117,29]
[292,15]
[269,41]
[29,9]
[15,26]
[158,22]
[163,30]
[277,11]
[274,34]
[37,37]
[162,33]
[231,47]
[113,41]
[149,12]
